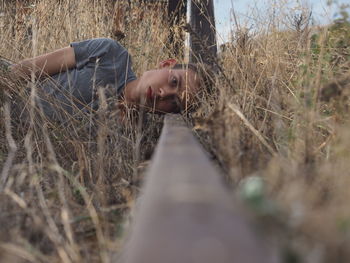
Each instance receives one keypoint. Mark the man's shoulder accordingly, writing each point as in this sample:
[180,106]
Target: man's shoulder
[102,42]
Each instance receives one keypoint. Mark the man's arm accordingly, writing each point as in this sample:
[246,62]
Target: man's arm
[47,64]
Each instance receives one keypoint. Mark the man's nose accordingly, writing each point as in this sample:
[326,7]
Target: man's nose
[167,92]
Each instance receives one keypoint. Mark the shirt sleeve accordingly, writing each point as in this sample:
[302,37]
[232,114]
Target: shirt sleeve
[114,62]
[89,50]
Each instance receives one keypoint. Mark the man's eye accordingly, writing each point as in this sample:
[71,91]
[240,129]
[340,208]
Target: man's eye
[174,82]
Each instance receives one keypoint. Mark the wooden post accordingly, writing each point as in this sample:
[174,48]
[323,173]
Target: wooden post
[176,15]
[203,33]
[177,10]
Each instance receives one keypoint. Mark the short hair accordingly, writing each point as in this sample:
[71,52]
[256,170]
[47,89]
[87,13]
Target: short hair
[206,81]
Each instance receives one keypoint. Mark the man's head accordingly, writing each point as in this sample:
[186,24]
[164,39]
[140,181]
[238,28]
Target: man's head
[170,88]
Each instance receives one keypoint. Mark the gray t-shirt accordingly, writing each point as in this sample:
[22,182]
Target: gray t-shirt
[100,62]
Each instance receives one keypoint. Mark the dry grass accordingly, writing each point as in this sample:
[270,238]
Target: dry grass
[275,122]
[70,186]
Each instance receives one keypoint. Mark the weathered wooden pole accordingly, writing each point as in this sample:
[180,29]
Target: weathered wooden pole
[176,15]
[177,10]
[202,33]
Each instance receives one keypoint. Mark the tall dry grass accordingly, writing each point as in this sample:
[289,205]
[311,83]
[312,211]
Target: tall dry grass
[283,144]
[70,186]
[67,190]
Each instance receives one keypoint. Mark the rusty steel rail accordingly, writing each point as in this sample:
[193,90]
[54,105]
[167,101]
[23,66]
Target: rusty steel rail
[185,214]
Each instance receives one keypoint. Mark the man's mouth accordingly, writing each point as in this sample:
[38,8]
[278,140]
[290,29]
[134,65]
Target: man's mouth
[149,93]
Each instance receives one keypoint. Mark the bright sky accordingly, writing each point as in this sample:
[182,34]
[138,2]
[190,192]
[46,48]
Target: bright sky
[322,14]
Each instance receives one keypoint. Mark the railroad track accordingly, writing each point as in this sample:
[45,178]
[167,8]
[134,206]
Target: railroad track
[185,213]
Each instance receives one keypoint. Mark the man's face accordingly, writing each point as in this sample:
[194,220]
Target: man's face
[168,90]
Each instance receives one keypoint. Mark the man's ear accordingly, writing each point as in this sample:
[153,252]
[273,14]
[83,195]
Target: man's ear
[167,63]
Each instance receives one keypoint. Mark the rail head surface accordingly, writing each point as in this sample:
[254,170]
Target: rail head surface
[185,214]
